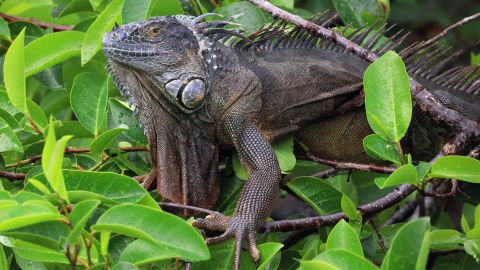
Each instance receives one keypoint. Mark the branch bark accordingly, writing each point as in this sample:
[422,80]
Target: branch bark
[44,25]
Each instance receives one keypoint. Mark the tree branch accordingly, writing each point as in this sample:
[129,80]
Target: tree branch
[350,165]
[12,175]
[44,25]
[427,101]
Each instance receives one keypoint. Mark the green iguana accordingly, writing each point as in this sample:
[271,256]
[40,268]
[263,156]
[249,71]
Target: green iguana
[201,88]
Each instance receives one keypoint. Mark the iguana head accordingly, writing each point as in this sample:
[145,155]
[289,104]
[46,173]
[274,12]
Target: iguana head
[160,66]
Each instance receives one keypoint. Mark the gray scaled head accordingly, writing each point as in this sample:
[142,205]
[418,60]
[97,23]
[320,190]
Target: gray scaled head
[165,49]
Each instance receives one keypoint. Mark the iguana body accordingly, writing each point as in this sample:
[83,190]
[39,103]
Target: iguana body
[197,96]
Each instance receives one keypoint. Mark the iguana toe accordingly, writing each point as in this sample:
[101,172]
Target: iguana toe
[236,226]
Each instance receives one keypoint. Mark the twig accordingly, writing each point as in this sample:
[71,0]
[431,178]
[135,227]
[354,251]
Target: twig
[70,150]
[449,194]
[449,29]
[44,25]
[427,101]
[403,213]
[12,175]
[350,165]
[367,210]
[381,242]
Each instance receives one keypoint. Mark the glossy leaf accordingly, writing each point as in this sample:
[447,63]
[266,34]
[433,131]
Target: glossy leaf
[14,73]
[406,174]
[387,97]
[105,186]
[135,10]
[123,116]
[156,227]
[79,217]
[317,264]
[17,215]
[141,252]
[52,158]
[267,253]
[252,18]
[51,49]
[89,100]
[378,148]
[349,208]
[4,30]
[344,259]
[343,236]
[93,37]
[410,246]
[446,239]
[37,115]
[3,259]
[8,139]
[361,12]
[457,167]
[102,141]
[319,194]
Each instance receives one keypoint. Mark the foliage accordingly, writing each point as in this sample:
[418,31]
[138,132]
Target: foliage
[79,206]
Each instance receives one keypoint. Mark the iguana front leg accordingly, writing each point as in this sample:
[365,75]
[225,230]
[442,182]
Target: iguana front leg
[260,191]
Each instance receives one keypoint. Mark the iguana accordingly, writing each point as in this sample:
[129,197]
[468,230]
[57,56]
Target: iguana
[201,88]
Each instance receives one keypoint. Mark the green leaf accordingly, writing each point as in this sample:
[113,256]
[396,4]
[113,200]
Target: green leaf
[105,186]
[410,246]
[141,252]
[89,100]
[378,148]
[288,4]
[135,10]
[343,236]
[3,259]
[267,253]
[344,259]
[252,17]
[123,116]
[406,174]
[457,167]
[15,215]
[92,41]
[472,247]
[319,194]
[8,139]
[39,185]
[37,114]
[124,266]
[34,252]
[102,141]
[361,12]
[445,240]
[52,158]
[14,73]
[4,30]
[465,225]
[317,265]
[75,6]
[387,97]
[158,227]
[79,217]
[349,208]
[221,257]
[51,49]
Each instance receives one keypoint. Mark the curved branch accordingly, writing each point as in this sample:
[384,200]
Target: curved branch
[44,25]
[367,210]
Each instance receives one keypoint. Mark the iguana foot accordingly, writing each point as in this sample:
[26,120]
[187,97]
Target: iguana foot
[146,180]
[236,226]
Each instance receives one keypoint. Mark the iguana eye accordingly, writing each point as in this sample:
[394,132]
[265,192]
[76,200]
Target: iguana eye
[193,93]
[154,32]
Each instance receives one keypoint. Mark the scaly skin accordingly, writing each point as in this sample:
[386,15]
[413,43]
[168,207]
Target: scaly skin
[197,96]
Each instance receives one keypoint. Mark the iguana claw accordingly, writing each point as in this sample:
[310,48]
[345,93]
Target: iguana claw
[236,226]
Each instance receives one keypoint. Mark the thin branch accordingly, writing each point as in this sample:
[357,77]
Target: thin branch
[449,29]
[403,213]
[367,210]
[427,101]
[350,165]
[449,194]
[12,175]
[194,208]
[44,25]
